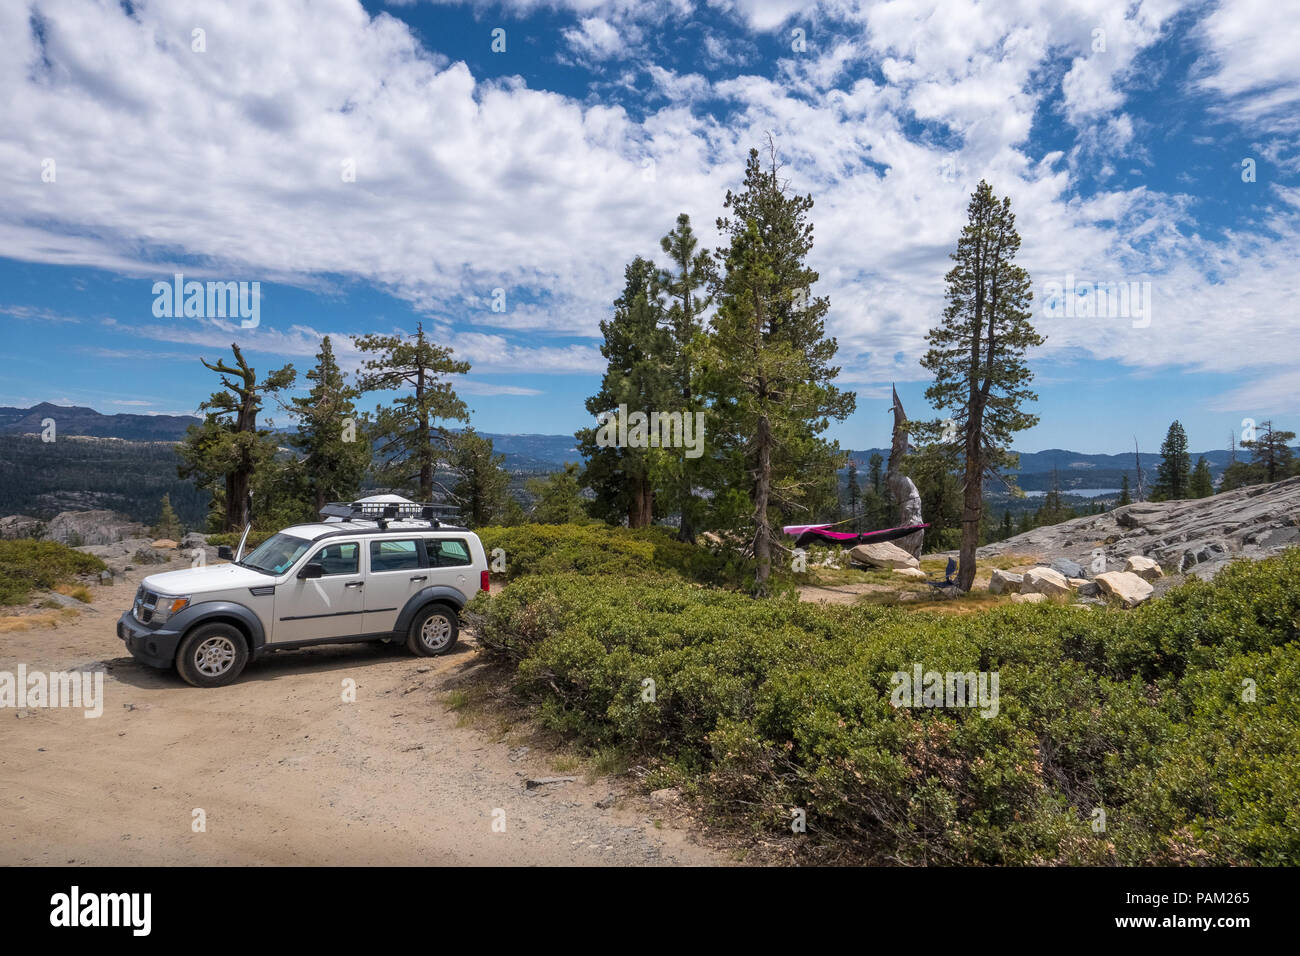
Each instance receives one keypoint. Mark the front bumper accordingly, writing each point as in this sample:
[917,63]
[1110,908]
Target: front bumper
[155,647]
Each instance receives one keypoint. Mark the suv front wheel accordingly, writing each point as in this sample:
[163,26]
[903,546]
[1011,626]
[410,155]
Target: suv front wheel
[434,631]
[212,655]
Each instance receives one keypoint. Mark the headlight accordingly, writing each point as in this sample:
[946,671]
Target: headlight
[167,606]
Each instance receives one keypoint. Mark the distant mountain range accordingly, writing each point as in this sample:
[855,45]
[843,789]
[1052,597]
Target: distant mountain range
[75,420]
[1075,470]
[523,452]
[1078,471]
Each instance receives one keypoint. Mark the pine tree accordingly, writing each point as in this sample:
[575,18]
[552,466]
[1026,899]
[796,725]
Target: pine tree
[855,495]
[409,442]
[1271,452]
[1124,497]
[1006,530]
[169,526]
[1173,475]
[638,352]
[876,505]
[936,469]
[558,498]
[876,471]
[228,448]
[682,285]
[481,485]
[1202,485]
[977,355]
[1137,467]
[335,453]
[771,371]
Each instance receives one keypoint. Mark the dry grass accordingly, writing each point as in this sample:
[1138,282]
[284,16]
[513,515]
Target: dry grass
[78,591]
[25,622]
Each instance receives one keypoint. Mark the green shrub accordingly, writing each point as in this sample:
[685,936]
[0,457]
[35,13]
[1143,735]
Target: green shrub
[231,538]
[598,549]
[27,565]
[766,707]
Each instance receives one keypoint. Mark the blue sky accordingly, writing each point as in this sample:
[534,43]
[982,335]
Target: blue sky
[1119,131]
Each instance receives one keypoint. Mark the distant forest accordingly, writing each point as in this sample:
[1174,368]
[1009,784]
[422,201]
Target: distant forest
[41,479]
[77,474]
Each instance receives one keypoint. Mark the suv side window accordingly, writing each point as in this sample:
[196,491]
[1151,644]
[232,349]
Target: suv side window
[447,552]
[394,555]
[339,558]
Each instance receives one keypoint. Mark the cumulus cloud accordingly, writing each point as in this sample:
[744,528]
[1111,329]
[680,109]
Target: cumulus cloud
[1250,61]
[595,39]
[357,152]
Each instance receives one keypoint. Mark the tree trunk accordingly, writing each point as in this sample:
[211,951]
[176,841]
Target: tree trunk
[237,483]
[686,530]
[641,510]
[426,451]
[762,491]
[972,504]
[240,480]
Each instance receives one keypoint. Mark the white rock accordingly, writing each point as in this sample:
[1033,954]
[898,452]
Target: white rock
[1143,567]
[1045,581]
[911,573]
[1003,582]
[1034,598]
[1125,585]
[883,555]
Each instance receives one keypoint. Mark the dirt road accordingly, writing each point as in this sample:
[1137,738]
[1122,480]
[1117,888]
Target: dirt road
[285,771]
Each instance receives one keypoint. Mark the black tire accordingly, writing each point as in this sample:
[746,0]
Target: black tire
[211,655]
[434,631]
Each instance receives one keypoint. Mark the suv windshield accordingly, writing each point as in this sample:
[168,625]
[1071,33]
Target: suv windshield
[276,554]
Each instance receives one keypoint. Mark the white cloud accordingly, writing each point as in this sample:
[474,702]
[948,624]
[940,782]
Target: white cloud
[596,39]
[232,158]
[1251,61]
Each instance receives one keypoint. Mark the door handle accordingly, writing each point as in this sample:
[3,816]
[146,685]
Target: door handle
[355,584]
[420,577]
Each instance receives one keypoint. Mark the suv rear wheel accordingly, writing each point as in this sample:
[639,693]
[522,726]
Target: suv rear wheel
[211,655]
[434,631]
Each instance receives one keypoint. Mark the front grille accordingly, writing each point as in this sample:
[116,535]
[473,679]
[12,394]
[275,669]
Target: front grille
[145,602]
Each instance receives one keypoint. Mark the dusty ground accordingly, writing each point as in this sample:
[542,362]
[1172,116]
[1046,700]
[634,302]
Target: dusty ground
[849,585]
[286,771]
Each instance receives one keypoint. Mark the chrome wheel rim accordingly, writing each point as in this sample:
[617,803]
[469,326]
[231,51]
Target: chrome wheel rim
[435,632]
[215,656]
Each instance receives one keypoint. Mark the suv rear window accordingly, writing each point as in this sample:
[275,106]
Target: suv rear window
[390,555]
[447,552]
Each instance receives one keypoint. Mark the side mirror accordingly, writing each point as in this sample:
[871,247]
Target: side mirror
[224,552]
[312,570]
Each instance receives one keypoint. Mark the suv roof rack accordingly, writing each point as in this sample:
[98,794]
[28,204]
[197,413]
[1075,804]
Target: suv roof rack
[381,512]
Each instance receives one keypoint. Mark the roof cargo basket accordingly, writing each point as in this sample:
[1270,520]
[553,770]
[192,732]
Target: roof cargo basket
[433,513]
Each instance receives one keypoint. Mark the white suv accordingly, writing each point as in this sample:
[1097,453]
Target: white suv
[375,570]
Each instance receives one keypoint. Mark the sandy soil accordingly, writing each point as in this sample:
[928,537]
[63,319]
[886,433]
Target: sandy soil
[286,771]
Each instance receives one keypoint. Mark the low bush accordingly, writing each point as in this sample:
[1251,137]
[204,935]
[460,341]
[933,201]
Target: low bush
[231,538]
[1166,734]
[27,565]
[597,549]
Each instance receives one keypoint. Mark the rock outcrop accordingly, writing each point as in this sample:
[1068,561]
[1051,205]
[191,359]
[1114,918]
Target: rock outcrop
[1126,586]
[1197,537]
[1028,598]
[1143,567]
[882,554]
[1005,582]
[916,573]
[1045,581]
[21,526]
[79,528]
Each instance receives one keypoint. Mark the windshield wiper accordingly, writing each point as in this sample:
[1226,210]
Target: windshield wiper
[253,567]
